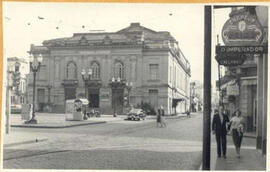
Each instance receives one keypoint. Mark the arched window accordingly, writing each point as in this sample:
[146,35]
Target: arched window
[71,70]
[119,70]
[96,70]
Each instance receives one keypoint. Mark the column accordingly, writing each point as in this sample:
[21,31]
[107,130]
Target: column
[264,120]
[259,102]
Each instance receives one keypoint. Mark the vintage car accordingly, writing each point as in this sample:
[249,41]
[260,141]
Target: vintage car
[136,114]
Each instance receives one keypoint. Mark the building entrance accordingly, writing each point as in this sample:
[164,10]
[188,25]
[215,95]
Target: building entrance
[41,99]
[93,98]
[118,100]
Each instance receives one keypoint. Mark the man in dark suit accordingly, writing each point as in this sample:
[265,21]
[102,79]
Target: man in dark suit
[219,129]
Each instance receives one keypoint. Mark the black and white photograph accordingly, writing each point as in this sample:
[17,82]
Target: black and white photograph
[134,86]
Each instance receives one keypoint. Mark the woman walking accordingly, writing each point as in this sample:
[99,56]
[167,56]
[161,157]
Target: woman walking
[237,128]
[160,118]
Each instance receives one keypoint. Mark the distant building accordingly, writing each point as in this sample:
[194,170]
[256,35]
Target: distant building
[19,67]
[196,94]
[151,60]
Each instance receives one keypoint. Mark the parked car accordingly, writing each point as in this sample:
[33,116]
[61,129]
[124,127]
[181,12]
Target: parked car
[136,114]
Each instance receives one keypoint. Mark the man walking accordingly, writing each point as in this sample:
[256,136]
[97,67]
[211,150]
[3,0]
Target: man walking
[219,129]
[160,118]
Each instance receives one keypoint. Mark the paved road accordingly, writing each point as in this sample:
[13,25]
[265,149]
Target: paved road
[114,145]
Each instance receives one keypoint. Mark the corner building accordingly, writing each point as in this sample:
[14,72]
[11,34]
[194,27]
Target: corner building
[151,60]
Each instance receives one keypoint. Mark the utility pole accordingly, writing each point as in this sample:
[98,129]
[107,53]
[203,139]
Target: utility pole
[8,87]
[207,87]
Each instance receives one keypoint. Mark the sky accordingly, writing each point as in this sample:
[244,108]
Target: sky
[22,27]
[26,23]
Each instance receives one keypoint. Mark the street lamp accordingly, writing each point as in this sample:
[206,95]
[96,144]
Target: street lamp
[86,78]
[129,86]
[35,63]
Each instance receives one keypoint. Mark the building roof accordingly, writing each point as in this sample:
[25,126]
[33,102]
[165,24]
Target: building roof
[131,34]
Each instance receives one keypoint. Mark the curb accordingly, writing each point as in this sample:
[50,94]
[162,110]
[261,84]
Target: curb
[169,117]
[64,126]
[24,142]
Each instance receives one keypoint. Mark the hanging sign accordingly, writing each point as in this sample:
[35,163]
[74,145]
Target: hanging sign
[233,89]
[231,60]
[242,29]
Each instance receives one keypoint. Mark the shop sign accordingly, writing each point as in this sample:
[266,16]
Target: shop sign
[233,90]
[226,50]
[242,29]
[231,60]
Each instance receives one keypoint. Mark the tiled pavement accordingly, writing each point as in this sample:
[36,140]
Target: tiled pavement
[250,159]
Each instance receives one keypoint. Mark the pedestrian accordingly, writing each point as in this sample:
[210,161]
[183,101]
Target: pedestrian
[162,120]
[159,118]
[188,114]
[237,130]
[30,111]
[219,128]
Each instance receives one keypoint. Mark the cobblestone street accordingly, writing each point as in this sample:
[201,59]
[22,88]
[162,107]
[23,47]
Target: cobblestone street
[119,144]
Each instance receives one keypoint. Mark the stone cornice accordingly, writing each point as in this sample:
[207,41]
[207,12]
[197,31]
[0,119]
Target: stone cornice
[94,47]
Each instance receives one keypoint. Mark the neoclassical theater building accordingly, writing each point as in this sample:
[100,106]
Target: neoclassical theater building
[151,61]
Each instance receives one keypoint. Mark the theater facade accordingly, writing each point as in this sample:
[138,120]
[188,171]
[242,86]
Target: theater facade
[133,65]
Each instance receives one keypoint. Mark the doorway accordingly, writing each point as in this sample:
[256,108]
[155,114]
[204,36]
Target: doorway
[41,99]
[118,100]
[153,98]
[93,98]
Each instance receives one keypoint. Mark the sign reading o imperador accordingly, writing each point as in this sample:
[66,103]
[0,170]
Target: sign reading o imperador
[242,29]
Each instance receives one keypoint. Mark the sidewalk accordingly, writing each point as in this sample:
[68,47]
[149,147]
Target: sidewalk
[49,120]
[251,159]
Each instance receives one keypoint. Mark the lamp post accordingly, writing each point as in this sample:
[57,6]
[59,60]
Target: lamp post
[8,89]
[35,63]
[129,87]
[86,78]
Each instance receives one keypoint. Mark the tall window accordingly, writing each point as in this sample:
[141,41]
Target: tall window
[71,70]
[153,71]
[171,72]
[95,70]
[119,70]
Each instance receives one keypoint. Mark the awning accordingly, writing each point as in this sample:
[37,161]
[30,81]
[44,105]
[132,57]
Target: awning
[175,101]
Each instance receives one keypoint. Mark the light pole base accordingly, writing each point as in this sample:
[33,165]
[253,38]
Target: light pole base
[31,121]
